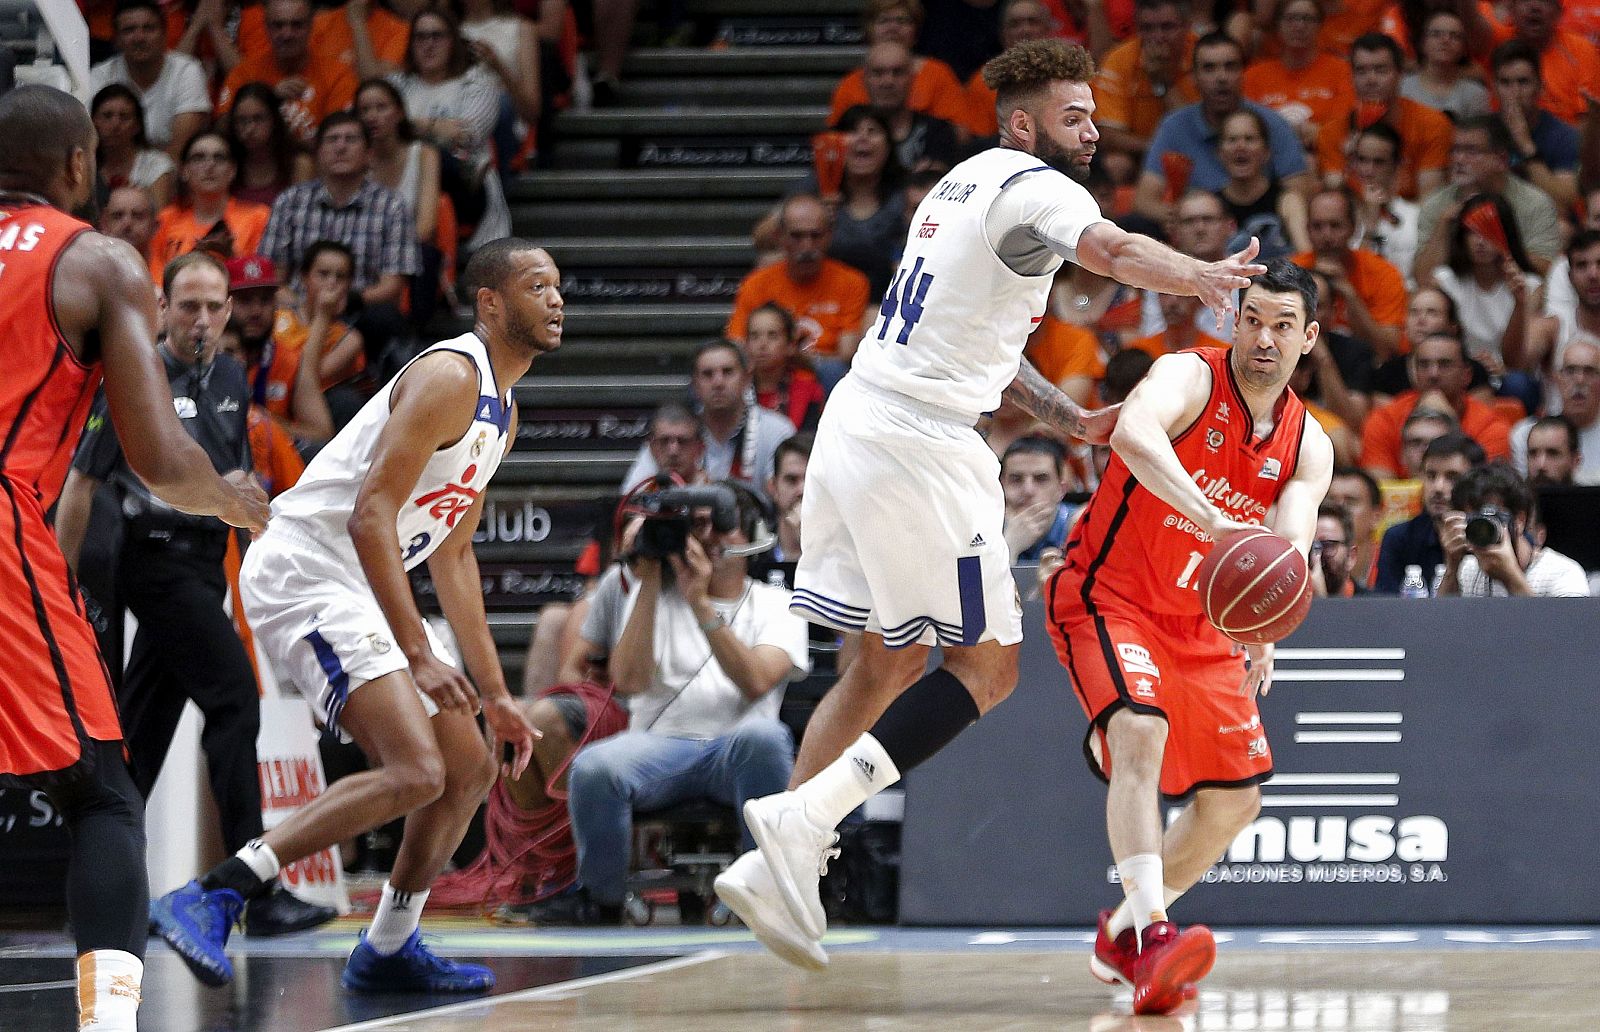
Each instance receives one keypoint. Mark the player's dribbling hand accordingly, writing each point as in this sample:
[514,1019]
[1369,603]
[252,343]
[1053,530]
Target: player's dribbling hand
[1222,526]
[449,688]
[508,724]
[1218,280]
[1258,670]
[248,508]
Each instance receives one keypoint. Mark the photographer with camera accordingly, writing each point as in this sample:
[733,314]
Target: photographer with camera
[1490,550]
[1333,559]
[702,651]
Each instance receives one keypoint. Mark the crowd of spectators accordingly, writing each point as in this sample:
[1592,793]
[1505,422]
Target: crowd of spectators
[263,130]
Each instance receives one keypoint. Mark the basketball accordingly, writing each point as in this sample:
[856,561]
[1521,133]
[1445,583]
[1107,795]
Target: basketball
[1254,586]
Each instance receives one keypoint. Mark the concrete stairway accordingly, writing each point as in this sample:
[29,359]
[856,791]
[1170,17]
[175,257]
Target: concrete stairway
[647,209]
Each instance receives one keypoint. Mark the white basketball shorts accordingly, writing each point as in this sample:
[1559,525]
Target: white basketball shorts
[901,526]
[319,624]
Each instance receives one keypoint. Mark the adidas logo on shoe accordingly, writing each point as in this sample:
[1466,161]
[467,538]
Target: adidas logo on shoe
[977,540]
[867,767]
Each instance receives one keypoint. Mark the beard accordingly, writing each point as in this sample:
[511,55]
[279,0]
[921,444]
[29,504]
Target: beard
[530,333]
[1062,159]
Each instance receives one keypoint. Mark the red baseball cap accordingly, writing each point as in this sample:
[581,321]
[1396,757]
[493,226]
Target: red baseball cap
[251,270]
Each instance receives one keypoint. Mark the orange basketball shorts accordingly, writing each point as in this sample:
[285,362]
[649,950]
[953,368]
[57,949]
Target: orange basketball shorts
[1118,655]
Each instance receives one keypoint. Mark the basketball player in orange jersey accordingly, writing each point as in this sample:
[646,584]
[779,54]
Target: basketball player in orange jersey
[74,302]
[1211,441]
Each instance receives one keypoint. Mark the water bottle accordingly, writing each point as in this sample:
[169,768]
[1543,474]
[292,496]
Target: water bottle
[1413,586]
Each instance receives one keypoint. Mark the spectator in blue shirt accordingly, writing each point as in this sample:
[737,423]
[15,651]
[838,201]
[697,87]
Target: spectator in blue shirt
[1194,130]
[1416,541]
[1544,148]
[1034,476]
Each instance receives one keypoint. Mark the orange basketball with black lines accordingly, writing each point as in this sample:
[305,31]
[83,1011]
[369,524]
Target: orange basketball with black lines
[1254,586]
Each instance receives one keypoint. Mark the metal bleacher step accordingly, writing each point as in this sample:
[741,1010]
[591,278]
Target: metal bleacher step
[624,356]
[573,155]
[575,467]
[512,632]
[735,91]
[674,252]
[786,120]
[648,184]
[535,391]
[695,62]
[772,8]
[721,216]
[624,320]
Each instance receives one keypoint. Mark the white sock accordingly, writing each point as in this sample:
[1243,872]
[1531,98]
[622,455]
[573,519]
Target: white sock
[860,773]
[108,991]
[259,857]
[1142,885]
[398,915]
[1122,918]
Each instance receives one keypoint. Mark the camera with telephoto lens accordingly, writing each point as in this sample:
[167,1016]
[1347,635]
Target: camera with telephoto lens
[669,515]
[1485,526]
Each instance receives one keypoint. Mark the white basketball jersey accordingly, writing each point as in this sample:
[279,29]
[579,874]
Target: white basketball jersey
[320,504]
[951,329]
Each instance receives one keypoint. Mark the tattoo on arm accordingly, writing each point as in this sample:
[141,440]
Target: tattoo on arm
[1044,401]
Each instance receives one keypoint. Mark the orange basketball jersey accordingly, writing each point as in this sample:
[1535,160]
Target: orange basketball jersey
[54,694]
[1130,546]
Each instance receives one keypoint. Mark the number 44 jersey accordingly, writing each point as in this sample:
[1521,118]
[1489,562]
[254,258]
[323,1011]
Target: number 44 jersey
[951,329]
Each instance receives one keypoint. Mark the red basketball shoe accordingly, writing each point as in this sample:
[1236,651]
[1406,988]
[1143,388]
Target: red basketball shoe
[1169,961]
[1113,958]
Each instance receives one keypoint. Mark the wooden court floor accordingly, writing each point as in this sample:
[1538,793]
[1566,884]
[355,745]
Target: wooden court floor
[698,979]
[1251,991]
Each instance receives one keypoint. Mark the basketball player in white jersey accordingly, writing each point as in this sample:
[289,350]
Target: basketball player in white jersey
[327,595]
[903,509]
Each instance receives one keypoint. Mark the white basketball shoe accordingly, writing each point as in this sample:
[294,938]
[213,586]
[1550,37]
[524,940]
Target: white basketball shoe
[747,888]
[797,853]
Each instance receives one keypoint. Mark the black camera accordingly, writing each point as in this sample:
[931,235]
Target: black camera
[1485,526]
[669,514]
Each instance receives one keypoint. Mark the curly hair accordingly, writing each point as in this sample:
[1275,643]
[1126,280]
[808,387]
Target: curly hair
[1027,68]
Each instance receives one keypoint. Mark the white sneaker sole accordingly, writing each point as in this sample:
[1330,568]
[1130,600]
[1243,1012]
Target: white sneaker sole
[783,942]
[1106,973]
[767,841]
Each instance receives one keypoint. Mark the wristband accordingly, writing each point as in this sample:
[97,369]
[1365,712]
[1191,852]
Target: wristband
[712,624]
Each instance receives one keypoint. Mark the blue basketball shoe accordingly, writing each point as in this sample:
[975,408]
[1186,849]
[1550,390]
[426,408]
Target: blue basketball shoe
[196,922]
[414,969]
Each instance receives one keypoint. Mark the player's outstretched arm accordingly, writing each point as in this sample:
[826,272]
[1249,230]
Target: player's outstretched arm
[1171,397]
[454,567]
[1044,401]
[102,287]
[1139,261]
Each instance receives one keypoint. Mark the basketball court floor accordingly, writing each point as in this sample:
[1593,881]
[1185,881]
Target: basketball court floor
[881,980]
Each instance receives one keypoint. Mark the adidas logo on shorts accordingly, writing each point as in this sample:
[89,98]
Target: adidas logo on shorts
[977,540]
